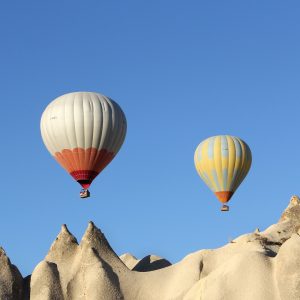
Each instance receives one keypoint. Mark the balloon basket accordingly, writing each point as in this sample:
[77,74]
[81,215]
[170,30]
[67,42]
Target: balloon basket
[225,208]
[84,194]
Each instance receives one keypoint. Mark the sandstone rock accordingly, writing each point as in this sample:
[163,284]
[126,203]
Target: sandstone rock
[262,265]
[11,280]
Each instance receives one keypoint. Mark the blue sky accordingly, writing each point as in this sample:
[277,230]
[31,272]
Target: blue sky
[181,71]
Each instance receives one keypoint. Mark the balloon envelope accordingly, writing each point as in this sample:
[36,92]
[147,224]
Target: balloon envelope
[223,162]
[83,131]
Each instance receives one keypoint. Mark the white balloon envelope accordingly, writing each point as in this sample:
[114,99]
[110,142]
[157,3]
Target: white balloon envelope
[83,131]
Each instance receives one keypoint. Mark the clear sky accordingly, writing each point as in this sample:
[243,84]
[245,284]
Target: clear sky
[182,71]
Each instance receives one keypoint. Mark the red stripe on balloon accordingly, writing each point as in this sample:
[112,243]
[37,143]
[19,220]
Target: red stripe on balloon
[84,177]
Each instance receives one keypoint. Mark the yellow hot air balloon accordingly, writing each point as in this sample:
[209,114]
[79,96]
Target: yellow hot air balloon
[223,162]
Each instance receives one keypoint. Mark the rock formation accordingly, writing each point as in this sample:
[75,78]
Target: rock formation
[260,265]
[11,281]
[148,263]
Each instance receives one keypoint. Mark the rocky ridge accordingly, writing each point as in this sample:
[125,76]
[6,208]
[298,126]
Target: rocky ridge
[260,265]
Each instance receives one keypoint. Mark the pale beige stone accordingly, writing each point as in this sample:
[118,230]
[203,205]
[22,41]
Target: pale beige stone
[262,265]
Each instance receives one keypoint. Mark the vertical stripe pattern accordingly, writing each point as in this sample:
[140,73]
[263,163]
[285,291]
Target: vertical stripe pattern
[83,131]
[223,162]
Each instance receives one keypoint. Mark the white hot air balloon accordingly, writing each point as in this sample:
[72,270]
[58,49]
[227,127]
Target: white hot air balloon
[83,131]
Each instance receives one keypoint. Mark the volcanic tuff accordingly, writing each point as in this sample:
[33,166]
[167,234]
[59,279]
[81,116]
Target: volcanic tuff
[259,265]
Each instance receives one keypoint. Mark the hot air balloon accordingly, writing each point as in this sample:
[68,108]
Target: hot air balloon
[223,162]
[83,131]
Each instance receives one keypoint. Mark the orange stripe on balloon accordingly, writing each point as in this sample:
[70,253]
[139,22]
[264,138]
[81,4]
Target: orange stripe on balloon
[102,160]
[224,196]
[90,159]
